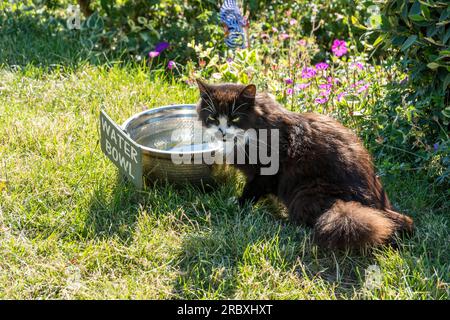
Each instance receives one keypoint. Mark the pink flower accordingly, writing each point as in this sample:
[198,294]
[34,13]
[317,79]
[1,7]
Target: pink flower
[171,65]
[358,83]
[274,29]
[288,81]
[363,88]
[284,36]
[308,73]
[264,36]
[302,86]
[357,65]
[301,42]
[321,100]
[322,66]
[339,48]
[341,95]
[326,86]
[153,54]
[289,91]
[292,22]
[332,80]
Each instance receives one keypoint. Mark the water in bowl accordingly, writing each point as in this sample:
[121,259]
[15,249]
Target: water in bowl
[181,142]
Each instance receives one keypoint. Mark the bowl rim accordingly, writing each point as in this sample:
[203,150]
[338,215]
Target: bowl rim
[155,110]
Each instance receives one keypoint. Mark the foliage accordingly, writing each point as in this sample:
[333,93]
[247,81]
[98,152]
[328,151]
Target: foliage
[420,32]
[69,229]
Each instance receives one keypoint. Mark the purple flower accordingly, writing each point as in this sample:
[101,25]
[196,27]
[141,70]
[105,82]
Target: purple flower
[326,86]
[341,95]
[321,100]
[332,80]
[302,86]
[322,66]
[153,54]
[301,42]
[357,65]
[292,22]
[339,48]
[171,65]
[436,146]
[160,47]
[289,91]
[229,60]
[358,83]
[284,36]
[288,81]
[308,73]
[363,88]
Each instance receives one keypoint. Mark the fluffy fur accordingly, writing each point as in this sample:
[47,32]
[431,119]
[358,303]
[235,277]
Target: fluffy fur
[326,177]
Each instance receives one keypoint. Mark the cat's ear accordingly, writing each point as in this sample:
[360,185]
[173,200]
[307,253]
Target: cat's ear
[249,92]
[203,87]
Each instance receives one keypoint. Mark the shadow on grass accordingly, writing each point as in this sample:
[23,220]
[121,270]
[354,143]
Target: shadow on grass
[255,253]
[226,251]
[229,252]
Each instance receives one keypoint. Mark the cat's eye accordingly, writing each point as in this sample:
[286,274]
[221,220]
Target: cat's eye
[211,118]
[236,119]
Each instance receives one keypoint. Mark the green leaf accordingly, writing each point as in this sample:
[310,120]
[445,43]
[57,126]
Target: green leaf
[425,11]
[378,41]
[446,36]
[409,42]
[446,112]
[433,65]
[415,9]
[3,184]
[446,83]
[356,23]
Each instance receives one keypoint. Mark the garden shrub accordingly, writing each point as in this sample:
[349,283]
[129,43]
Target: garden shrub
[419,114]
[134,27]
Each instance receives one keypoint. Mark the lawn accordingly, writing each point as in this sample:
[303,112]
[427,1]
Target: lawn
[71,229]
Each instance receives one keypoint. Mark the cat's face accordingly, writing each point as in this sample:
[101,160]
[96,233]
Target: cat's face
[226,109]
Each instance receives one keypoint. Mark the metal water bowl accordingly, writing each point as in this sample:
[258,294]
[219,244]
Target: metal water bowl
[153,131]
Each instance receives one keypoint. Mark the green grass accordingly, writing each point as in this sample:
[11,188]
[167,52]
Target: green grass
[70,229]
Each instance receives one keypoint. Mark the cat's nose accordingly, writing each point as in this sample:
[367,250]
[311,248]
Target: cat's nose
[222,131]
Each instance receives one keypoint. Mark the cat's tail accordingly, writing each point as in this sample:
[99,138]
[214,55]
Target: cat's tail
[350,225]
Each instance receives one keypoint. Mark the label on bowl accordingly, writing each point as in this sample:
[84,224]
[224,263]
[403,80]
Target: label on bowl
[121,149]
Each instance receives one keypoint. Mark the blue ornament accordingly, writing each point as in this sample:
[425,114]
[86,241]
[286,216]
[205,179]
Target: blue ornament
[234,22]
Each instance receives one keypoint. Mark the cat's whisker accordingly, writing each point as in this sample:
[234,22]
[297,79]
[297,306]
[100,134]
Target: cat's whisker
[210,109]
[240,106]
[232,107]
[210,106]
[210,99]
